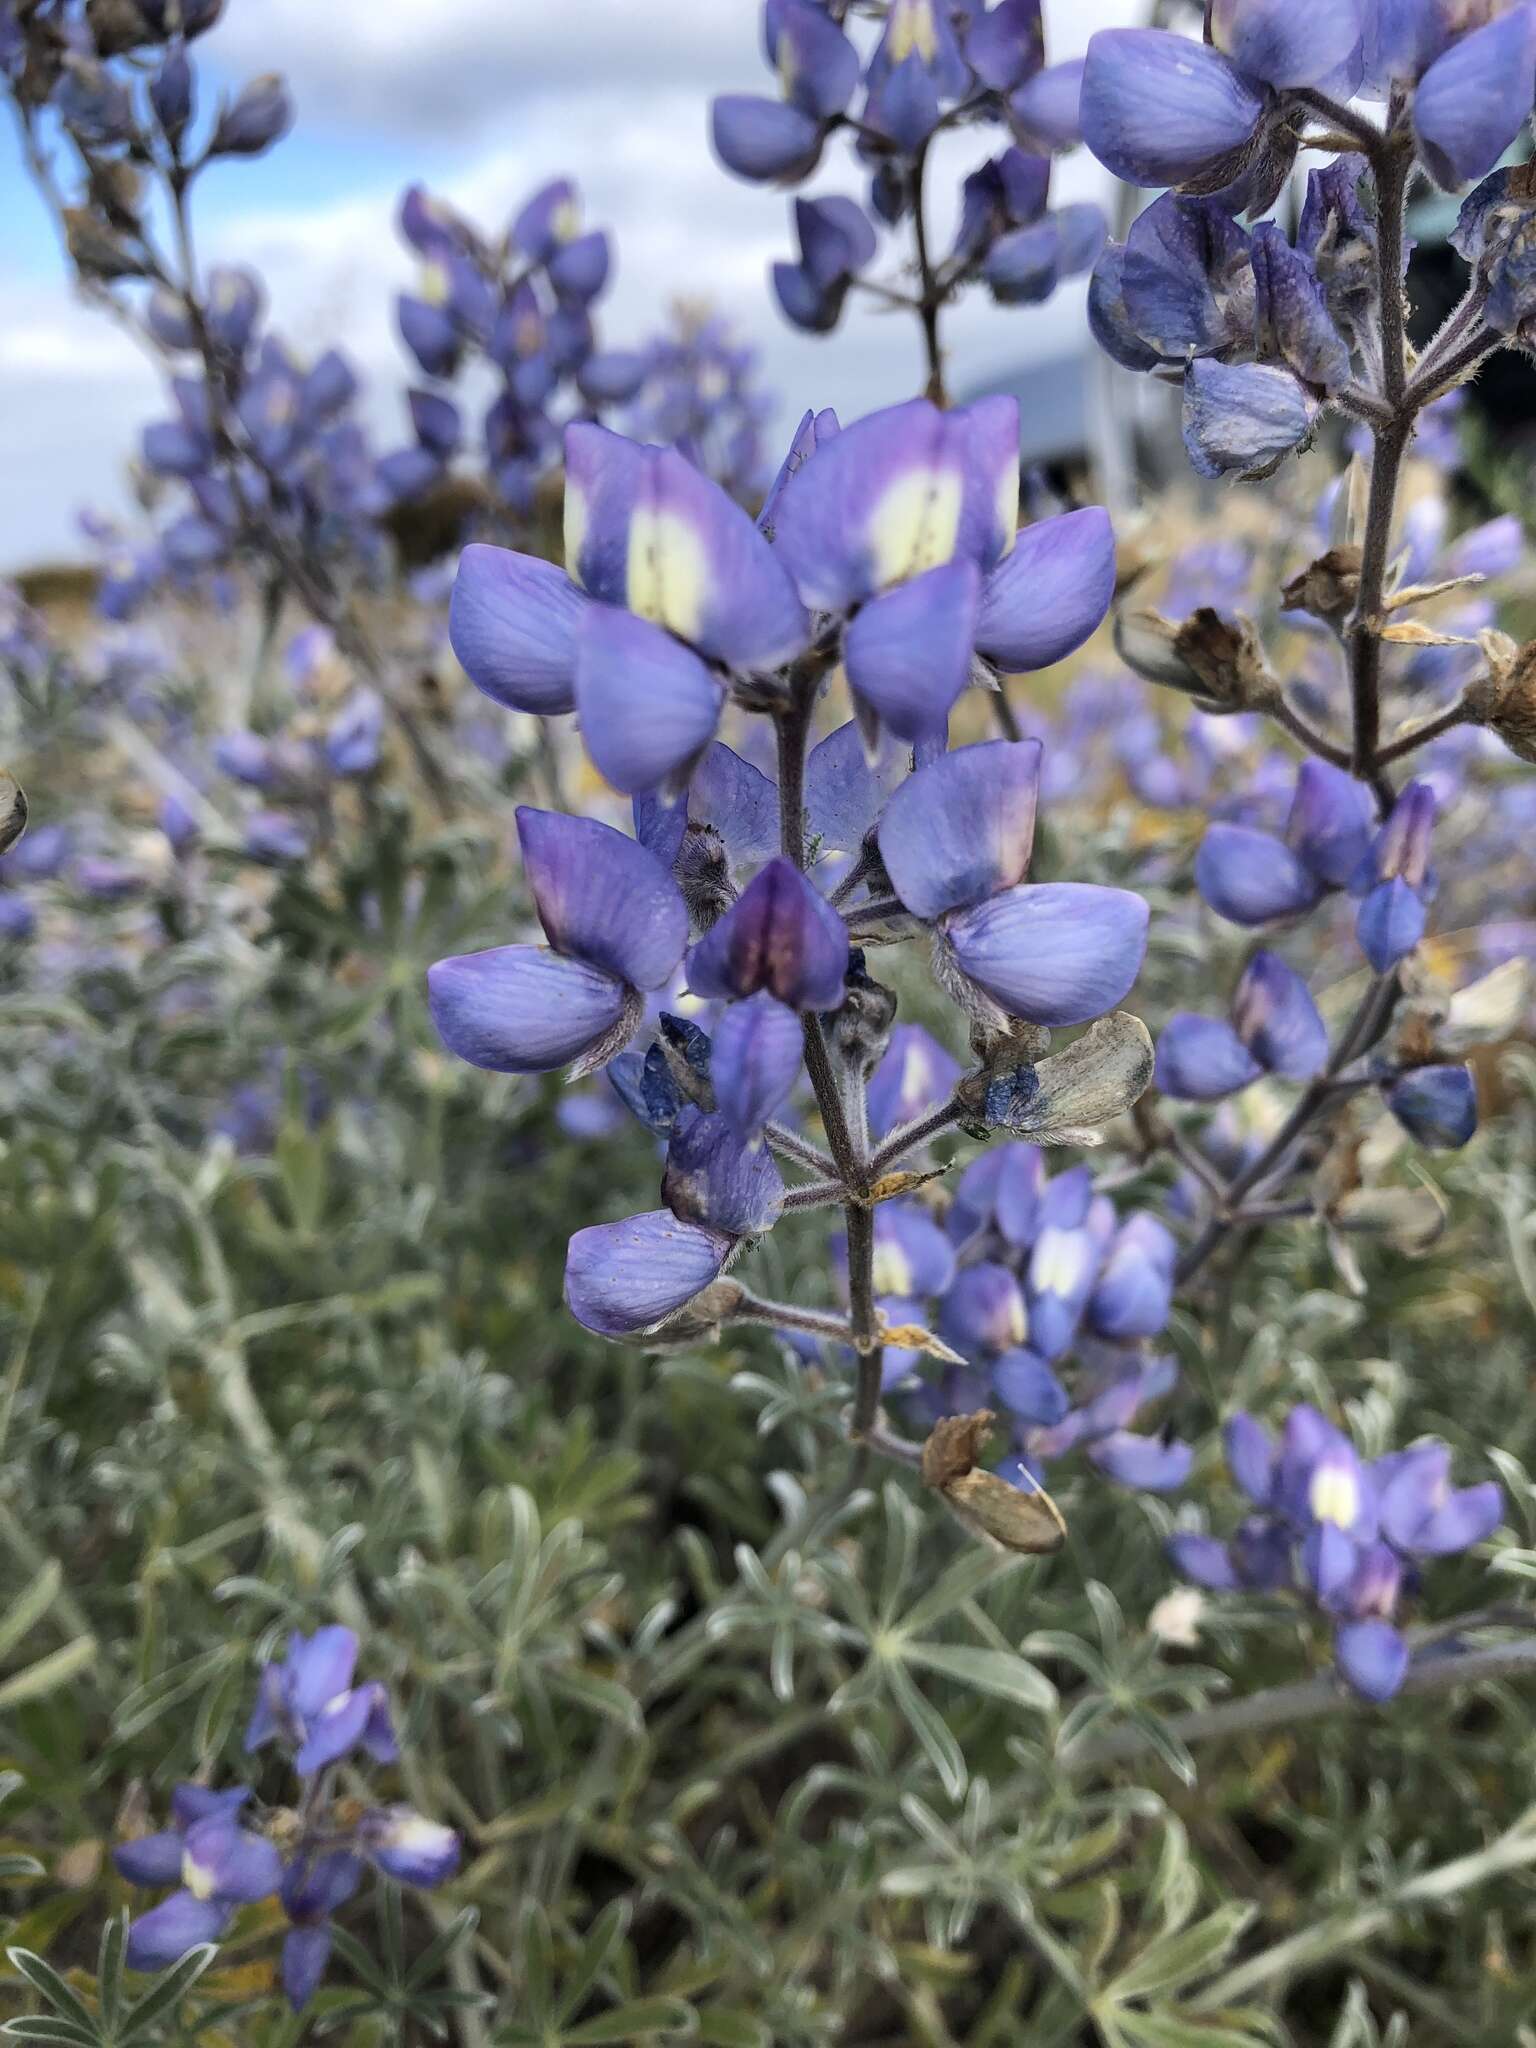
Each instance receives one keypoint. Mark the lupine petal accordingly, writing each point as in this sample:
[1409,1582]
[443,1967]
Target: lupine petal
[1390,923]
[984,1311]
[163,1936]
[698,566]
[1159,108]
[1203,1561]
[1470,1515]
[1046,111]
[1329,826]
[1049,593]
[306,1951]
[913,1257]
[740,801]
[763,139]
[1282,44]
[335,1731]
[1373,1657]
[1243,417]
[1054,953]
[232,1865]
[963,828]
[781,935]
[758,1049]
[1250,1457]
[915,1076]
[647,703]
[1251,877]
[1202,1059]
[408,1846]
[152,1859]
[520,1010]
[908,652]
[844,792]
[1027,1387]
[1473,101]
[1017,1205]
[1151,1464]
[602,898]
[715,1180]
[621,1278]
[319,1668]
[1277,1020]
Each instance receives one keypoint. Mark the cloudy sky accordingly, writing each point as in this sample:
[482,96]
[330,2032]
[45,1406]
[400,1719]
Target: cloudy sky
[480,100]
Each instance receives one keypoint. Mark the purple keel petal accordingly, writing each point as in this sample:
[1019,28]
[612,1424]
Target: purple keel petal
[1148,1463]
[1251,877]
[1159,108]
[621,1278]
[306,1951]
[647,704]
[1202,1059]
[780,935]
[763,139]
[1436,1105]
[908,653]
[1057,953]
[602,898]
[758,1049]
[1048,594]
[1330,822]
[1027,1387]
[1203,1561]
[1373,1657]
[520,1010]
[1390,923]
[162,1937]
[319,1668]
[963,828]
[1275,1017]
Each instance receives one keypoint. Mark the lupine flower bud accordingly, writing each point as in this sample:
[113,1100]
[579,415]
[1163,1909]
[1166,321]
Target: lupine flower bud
[170,94]
[1436,1105]
[260,114]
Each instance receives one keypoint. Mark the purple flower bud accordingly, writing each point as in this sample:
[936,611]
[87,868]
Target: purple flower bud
[1436,1105]
[234,306]
[407,1846]
[1160,109]
[170,94]
[275,839]
[622,1279]
[1251,1458]
[612,377]
[1252,878]
[428,331]
[1276,1019]
[578,270]
[355,737]
[780,935]
[1372,1656]
[260,113]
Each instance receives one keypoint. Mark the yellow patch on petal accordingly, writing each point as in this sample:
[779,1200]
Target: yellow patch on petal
[666,572]
[198,1881]
[892,1268]
[912,28]
[435,284]
[565,221]
[1008,506]
[1334,1496]
[916,524]
[1056,1265]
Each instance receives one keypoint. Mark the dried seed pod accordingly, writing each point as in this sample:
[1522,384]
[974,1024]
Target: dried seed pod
[990,1507]
[13,810]
[1505,699]
[1328,587]
[1217,661]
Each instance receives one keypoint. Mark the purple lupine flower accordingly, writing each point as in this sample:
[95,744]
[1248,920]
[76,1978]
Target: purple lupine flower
[905,525]
[836,243]
[1351,1535]
[275,839]
[956,840]
[1475,98]
[218,1865]
[313,1888]
[354,740]
[625,1279]
[1275,1028]
[1112,1389]
[1255,879]
[1133,1292]
[1396,882]
[1436,1105]
[310,1704]
[672,588]
[617,926]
